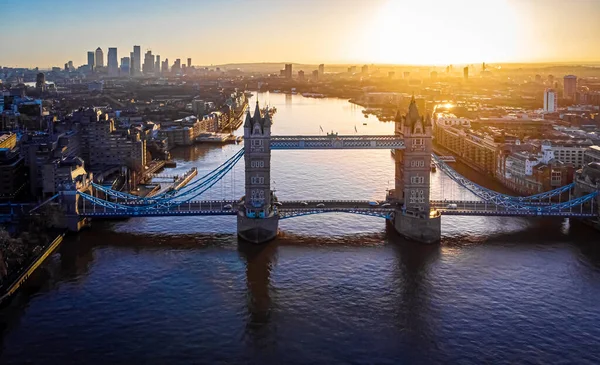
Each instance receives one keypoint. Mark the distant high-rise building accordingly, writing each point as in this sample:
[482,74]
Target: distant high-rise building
[300,75]
[570,86]
[483,67]
[148,67]
[364,70]
[550,101]
[433,75]
[113,62]
[287,71]
[67,67]
[176,69]
[189,62]
[321,69]
[157,65]
[71,67]
[125,66]
[466,72]
[91,56]
[538,78]
[406,74]
[40,81]
[165,66]
[315,75]
[391,75]
[99,57]
[136,61]
[551,79]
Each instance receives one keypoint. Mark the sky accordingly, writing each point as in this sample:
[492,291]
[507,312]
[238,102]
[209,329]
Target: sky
[47,33]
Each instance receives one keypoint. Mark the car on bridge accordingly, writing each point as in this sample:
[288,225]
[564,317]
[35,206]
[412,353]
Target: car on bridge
[374,204]
[304,204]
[385,205]
[452,206]
[227,206]
[320,205]
[278,204]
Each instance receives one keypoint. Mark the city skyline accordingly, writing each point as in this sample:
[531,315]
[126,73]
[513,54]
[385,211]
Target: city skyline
[430,32]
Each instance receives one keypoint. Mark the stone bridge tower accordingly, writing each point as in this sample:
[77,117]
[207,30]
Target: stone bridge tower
[257,220]
[413,168]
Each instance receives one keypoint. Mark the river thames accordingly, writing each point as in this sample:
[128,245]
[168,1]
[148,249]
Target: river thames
[331,289]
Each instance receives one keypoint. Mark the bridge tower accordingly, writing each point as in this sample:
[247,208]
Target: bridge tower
[413,165]
[257,220]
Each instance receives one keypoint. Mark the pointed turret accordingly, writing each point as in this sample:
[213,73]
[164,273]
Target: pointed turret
[413,112]
[248,122]
[428,121]
[256,113]
[398,118]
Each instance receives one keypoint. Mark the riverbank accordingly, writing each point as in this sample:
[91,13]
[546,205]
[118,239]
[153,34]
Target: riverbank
[20,277]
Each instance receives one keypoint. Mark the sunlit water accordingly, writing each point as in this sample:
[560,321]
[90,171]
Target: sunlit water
[332,288]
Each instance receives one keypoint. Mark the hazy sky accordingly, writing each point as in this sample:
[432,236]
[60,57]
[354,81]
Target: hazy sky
[49,33]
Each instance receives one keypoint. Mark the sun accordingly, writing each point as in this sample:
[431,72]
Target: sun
[438,32]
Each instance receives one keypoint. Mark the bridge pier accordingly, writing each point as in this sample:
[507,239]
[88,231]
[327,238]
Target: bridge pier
[257,230]
[420,229]
[71,219]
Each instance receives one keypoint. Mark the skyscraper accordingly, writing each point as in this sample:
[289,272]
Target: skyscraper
[91,60]
[131,63]
[287,71]
[176,69]
[148,67]
[550,101]
[137,60]
[99,57]
[165,66]
[466,72]
[189,64]
[40,81]
[113,62]
[321,69]
[570,86]
[157,65]
[125,66]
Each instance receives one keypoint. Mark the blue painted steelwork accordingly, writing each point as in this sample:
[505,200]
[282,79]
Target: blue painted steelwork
[182,197]
[181,202]
[507,213]
[507,201]
[217,173]
[381,213]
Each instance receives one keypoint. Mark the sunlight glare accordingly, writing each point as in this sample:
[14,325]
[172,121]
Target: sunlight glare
[442,32]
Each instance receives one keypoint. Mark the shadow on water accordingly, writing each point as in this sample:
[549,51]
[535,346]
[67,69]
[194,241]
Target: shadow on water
[411,276]
[260,262]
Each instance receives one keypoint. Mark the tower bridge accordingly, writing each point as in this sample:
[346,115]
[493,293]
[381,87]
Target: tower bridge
[408,208]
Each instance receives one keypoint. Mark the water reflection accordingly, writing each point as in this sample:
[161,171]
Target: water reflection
[191,153]
[75,257]
[260,261]
[412,277]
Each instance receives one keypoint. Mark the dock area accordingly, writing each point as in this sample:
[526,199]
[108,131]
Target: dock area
[220,138]
[180,181]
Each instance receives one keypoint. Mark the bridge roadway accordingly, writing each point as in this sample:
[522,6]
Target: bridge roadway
[481,208]
[229,207]
[289,209]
